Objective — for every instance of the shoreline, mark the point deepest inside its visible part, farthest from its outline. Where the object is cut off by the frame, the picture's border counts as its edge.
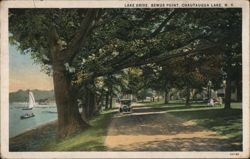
(37, 127)
(32, 139)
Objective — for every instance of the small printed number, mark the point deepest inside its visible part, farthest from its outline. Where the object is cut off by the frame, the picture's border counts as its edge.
(234, 154)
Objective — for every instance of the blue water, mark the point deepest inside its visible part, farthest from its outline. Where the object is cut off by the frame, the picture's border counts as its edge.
(42, 116)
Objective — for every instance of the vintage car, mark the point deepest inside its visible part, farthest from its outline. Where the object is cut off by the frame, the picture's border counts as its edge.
(125, 105)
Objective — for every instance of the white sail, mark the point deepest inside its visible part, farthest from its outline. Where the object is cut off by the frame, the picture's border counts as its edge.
(31, 100)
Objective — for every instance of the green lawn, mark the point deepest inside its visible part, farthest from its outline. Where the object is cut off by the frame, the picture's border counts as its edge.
(227, 123)
(91, 139)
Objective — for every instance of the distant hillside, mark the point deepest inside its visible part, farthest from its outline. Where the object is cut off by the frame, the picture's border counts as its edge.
(22, 95)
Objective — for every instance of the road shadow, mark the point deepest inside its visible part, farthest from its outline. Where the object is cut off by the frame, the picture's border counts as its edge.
(149, 122)
(188, 144)
(222, 121)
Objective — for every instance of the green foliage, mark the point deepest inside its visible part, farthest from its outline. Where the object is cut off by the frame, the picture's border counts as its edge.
(131, 35)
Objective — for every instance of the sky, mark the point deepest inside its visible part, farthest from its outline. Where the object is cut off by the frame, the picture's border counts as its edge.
(25, 74)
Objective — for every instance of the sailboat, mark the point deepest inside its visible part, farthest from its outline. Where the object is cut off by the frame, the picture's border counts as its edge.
(31, 102)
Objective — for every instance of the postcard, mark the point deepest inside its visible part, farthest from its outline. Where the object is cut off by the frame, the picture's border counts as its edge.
(125, 79)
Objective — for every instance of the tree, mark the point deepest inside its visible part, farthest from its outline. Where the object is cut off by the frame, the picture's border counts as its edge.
(40, 33)
(232, 52)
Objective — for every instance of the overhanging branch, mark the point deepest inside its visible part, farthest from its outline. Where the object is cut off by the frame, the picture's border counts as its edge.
(169, 17)
(162, 57)
(79, 37)
(172, 54)
(152, 54)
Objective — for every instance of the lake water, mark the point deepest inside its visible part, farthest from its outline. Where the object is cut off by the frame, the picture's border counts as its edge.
(43, 115)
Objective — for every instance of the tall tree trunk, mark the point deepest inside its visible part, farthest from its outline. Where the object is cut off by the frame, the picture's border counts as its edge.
(102, 101)
(239, 90)
(228, 93)
(166, 92)
(92, 104)
(69, 118)
(87, 102)
(107, 101)
(90, 101)
(110, 96)
(166, 96)
(188, 96)
(99, 102)
(194, 92)
(99, 98)
(208, 93)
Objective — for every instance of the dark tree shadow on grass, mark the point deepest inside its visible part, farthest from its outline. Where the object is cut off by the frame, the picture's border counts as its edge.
(224, 122)
(179, 107)
(88, 146)
(34, 139)
(227, 123)
(183, 144)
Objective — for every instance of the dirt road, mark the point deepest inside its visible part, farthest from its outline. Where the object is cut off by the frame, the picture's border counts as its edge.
(148, 129)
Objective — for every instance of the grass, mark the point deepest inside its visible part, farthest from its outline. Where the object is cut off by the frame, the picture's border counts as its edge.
(227, 123)
(91, 139)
